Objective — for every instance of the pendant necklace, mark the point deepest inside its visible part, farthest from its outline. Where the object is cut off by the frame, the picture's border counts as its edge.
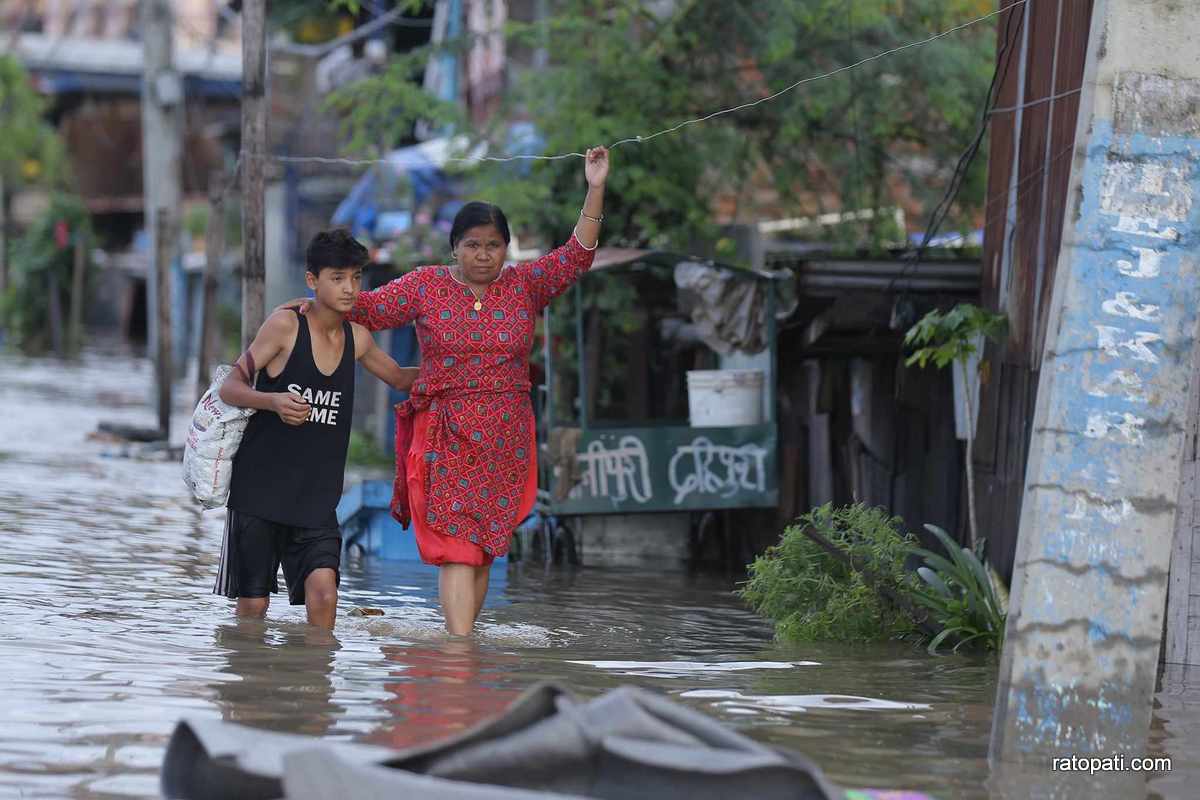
(478, 300)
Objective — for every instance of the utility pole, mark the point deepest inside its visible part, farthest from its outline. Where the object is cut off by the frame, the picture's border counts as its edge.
(162, 143)
(1077, 675)
(254, 152)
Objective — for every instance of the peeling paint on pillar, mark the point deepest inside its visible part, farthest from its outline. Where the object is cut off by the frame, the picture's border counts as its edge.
(1078, 671)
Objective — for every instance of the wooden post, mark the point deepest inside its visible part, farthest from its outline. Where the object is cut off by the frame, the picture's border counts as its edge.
(1182, 645)
(56, 313)
(165, 241)
(3, 234)
(214, 249)
(254, 151)
(78, 287)
(163, 95)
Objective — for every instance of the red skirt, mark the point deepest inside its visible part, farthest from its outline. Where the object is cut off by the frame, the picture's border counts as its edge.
(438, 548)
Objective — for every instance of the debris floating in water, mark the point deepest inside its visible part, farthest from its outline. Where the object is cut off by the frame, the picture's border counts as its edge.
(366, 612)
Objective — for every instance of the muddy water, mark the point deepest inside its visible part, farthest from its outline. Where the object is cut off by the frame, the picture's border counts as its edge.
(108, 635)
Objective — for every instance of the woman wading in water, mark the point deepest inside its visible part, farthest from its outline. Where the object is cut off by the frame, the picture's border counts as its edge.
(466, 446)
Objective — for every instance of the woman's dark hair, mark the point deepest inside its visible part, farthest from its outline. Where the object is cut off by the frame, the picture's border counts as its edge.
(335, 249)
(474, 214)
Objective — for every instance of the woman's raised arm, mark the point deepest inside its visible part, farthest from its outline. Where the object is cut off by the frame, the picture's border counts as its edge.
(595, 168)
(555, 272)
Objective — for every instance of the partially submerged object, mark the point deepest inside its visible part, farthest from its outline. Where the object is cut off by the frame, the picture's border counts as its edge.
(628, 743)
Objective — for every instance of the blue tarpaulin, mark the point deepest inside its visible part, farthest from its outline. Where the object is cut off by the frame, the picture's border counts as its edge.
(382, 203)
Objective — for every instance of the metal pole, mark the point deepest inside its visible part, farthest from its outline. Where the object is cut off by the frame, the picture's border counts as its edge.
(583, 376)
(773, 349)
(214, 250)
(548, 416)
(163, 257)
(254, 149)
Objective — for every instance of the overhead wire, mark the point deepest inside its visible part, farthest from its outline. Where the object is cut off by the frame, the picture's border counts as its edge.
(942, 210)
(642, 138)
(396, 17)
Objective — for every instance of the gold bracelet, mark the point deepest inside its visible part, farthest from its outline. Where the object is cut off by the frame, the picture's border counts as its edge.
(586, 215)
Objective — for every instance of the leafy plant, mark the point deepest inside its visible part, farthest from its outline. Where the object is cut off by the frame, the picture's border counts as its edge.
(41, 272)
(963, 595)
(195, 221)
(811, 595)
(951, 337)
(31, 150)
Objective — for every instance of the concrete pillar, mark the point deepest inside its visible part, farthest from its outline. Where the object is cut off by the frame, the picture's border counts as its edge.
(1078, 670)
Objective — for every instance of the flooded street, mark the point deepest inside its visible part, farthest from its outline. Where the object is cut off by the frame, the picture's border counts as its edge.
(109, 634)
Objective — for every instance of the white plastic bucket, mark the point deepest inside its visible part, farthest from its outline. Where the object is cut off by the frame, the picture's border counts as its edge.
(722, 398)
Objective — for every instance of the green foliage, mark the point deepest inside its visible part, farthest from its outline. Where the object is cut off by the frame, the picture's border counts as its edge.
(195, 220)
(624, 68)
(946, 337)
(812, 596)
(365, 452)
(371, 133)
(37, 264)
(31, 151)
(962, 594)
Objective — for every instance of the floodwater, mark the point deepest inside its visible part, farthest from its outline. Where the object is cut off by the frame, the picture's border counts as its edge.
(109, 635)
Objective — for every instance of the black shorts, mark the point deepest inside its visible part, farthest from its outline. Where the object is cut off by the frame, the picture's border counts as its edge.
(255, 548)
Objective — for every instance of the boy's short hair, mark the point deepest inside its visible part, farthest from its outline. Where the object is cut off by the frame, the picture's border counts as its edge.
(334, 249)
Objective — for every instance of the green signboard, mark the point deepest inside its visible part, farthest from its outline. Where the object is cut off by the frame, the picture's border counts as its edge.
(629, 470)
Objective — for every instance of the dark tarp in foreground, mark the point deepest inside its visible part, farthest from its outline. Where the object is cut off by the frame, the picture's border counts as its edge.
(629, 743)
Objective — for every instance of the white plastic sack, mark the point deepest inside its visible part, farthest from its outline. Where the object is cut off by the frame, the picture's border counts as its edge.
(212, 440)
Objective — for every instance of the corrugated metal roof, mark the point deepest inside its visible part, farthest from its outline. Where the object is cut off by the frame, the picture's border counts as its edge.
(117, 57)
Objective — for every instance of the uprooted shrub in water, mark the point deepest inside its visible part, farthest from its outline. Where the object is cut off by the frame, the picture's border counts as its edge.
(812, 595)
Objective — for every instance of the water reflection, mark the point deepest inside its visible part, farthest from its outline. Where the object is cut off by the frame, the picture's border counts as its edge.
(276, 676)
(436, 691)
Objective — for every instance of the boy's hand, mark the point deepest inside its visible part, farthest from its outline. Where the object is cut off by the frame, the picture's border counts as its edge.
(408, 376)
(290, 408)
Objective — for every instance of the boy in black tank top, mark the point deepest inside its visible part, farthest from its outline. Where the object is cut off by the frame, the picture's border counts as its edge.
(287, 474)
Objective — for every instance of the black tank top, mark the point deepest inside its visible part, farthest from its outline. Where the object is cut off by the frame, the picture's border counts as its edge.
(293, 474)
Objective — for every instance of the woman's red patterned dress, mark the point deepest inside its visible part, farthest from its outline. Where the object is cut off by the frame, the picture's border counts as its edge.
(471, 398)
